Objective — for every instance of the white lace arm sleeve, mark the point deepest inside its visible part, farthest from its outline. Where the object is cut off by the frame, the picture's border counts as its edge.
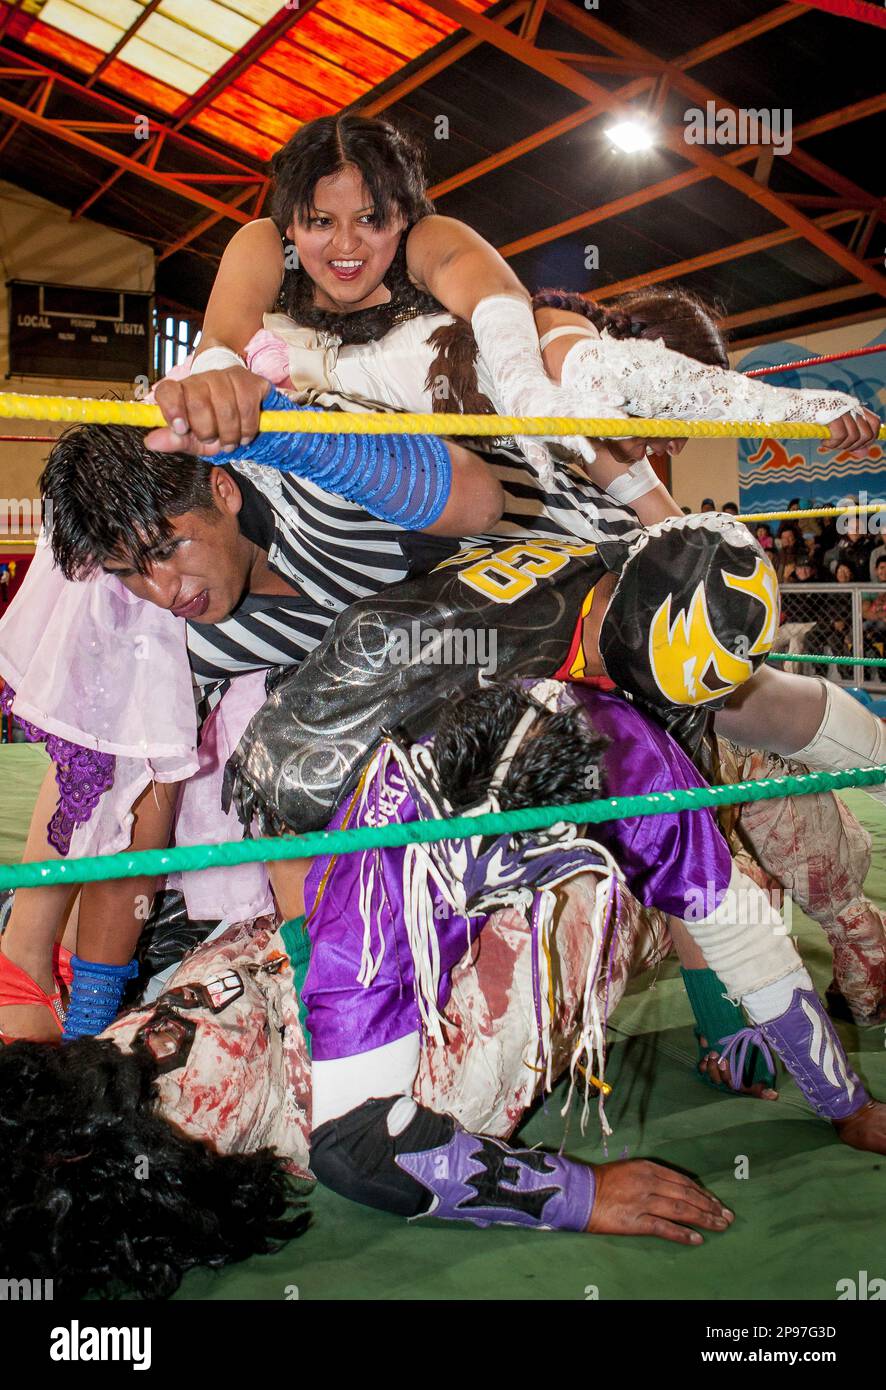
(657, 382)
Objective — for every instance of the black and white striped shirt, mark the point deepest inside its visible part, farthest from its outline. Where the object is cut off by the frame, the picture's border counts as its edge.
(334, 552)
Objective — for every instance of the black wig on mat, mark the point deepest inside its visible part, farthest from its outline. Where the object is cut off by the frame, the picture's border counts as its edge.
(101, 1194)
(558, 762)
(91, 471)
(392, 166)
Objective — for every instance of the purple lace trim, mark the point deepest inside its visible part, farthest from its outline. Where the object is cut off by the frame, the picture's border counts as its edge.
(82, 774)
(734, 1050)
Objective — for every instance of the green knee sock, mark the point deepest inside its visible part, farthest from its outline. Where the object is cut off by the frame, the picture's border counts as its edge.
(298, 949)
(717, 1018)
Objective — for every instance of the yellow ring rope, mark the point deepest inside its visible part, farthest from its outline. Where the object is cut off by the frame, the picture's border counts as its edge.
(77, 410)
(848, 510)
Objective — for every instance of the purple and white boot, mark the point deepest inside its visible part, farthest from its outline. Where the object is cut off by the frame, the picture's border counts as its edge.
(804, 1038)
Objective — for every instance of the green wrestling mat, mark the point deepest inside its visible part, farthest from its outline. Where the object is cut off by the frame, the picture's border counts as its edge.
(22, 766)
(809, 1212)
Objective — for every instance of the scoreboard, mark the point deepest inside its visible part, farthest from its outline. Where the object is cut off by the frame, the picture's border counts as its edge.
(76, 331)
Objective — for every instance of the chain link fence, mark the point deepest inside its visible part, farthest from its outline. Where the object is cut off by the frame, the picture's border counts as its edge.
(836, 620)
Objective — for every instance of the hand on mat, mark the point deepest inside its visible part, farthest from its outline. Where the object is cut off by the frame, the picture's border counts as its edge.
(638, 1198)
(208, 413)
(719, 1074)
(866, 1129)
(852, 432)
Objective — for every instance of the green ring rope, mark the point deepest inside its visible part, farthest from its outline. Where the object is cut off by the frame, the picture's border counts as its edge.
(829, 660)
(188, 858)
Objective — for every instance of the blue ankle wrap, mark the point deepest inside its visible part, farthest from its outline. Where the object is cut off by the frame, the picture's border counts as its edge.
(96, 992)
(403, 478)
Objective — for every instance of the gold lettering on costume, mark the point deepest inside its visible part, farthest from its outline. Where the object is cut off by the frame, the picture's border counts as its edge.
(506, 574)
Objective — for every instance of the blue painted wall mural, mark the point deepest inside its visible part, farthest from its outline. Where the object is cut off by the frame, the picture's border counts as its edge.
(772, 472)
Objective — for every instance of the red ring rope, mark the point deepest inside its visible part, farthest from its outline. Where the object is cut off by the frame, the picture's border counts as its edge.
(850, 9)
(817, 361)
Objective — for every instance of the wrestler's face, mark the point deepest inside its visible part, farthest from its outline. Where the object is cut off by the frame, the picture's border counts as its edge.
(341, 249)
(202, 572)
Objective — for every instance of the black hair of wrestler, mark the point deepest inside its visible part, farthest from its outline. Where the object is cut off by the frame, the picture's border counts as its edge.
(684, 321)
(559, 762)
(76, 1124)
(90, 471)
(391, 163)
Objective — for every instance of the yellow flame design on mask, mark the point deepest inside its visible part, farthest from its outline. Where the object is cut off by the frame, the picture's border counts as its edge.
(762, 585)
(683, 651)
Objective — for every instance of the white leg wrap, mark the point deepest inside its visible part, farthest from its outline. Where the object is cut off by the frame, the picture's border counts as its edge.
(774, 1000)
(343, 1083)
(744, 940)
(848, 736)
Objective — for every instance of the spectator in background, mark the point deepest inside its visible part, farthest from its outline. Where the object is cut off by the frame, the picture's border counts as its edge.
(707, 505)
(806, 570)
(833, 633)
(794, 504)
(763, 532)
(873, 612)
(844, 573)
(730, 507)
(877, 554)
(812, 526)
(786, 552)
(828, 524)
(854, 548)
(813, 551)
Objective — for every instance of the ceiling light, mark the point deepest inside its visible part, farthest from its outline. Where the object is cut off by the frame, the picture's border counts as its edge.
(631, 136)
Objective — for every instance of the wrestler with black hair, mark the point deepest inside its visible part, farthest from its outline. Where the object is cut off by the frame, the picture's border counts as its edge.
(379, 297)
(375, 1114)
(164, 1144)
(241, 587)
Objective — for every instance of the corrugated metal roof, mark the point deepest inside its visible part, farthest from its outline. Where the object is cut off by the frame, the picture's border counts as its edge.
(249, 71)
(334, 53)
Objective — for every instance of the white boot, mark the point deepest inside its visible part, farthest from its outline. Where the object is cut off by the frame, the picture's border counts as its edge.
(848, 736)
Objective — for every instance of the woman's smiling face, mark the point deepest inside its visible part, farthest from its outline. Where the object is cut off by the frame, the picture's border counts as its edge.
(341, 248)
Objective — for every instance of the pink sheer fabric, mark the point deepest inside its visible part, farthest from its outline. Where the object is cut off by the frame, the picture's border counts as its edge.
(267, 355)
(242, 891)
(87, 661)
(92, 664)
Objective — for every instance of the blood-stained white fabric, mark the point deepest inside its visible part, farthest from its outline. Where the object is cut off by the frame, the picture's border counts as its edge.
(245, 1078)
